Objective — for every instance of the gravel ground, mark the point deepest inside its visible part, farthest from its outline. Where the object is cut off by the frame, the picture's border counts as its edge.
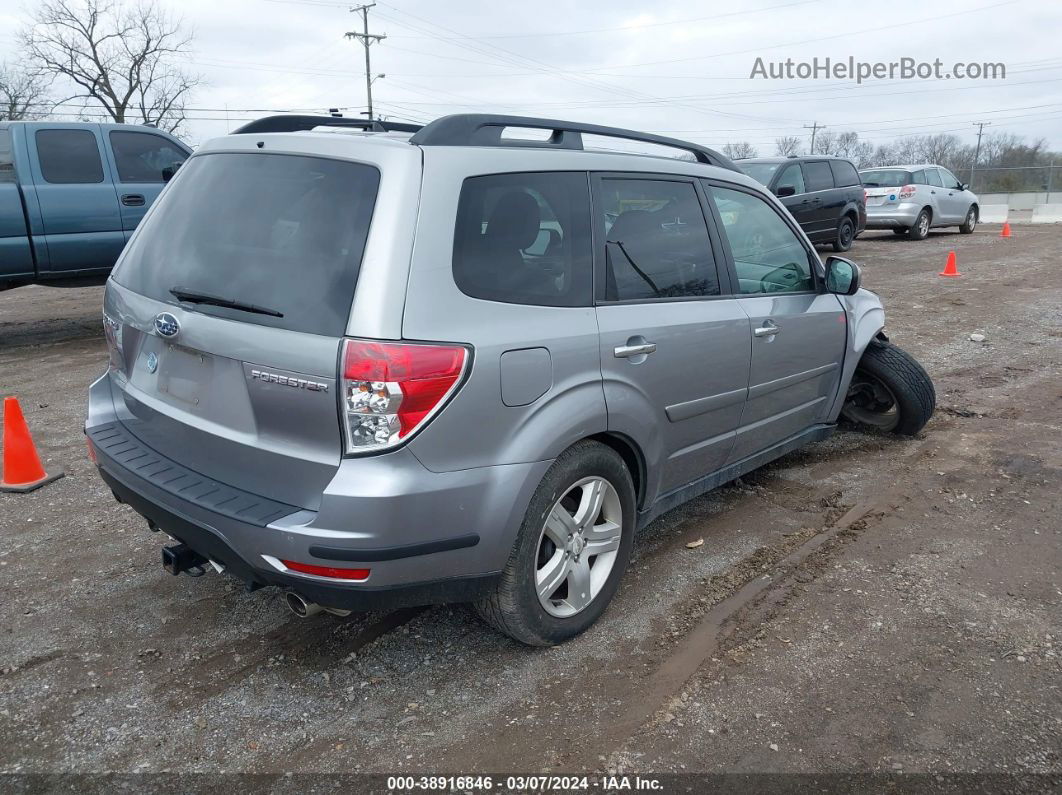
(867, 604)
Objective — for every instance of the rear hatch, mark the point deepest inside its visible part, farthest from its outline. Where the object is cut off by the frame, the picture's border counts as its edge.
(226, 321)
(883, 187)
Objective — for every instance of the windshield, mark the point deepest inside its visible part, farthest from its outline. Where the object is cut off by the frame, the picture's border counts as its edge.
(761, 172)
(885, 178)
(262, 230)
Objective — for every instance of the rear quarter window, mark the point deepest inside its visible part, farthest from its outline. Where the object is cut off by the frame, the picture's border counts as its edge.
(844, 173)
(282, 232)
(525, 239)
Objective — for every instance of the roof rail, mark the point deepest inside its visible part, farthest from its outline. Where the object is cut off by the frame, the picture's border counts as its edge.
(291, 122)
(485, 129)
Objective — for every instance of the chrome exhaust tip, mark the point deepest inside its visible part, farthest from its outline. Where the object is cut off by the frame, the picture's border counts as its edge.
(300, 607)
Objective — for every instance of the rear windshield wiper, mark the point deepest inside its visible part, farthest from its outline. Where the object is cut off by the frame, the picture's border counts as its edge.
(194, 297)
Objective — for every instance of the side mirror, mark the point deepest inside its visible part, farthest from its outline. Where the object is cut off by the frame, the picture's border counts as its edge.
(169, 171)
(963, 186)
(785, 190)
(843, 276)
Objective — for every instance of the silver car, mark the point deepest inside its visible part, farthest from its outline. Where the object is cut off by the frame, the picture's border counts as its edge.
(380, 368)
(910, 200)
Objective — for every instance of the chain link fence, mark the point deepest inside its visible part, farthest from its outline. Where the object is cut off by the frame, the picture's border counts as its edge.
(1014, 179)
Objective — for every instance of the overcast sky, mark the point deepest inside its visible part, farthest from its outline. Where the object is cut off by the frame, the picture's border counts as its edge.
(676, 67)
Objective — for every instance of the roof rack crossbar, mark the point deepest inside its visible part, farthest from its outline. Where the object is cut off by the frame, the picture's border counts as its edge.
(485, 129)
(291, 122)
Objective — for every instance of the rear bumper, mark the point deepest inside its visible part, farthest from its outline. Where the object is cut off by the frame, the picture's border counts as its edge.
(427, 537)
(897, 216)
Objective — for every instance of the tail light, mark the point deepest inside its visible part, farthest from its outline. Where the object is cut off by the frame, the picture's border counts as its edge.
(392, 389)
(907, 191)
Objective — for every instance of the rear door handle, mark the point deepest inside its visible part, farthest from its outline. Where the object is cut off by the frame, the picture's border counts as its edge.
(768, 329)
(133, 200)
(627, 351)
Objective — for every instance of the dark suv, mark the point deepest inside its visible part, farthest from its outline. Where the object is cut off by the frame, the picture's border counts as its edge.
(824, 194)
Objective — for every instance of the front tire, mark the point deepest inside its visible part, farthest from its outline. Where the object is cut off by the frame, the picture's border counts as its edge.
(970, 223)
(571, 551)
(890, 391)
(845, 235)
(920, 228)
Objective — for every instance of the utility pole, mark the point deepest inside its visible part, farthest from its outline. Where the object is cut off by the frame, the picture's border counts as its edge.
(980, 125)
(814, 127)
(367, 39)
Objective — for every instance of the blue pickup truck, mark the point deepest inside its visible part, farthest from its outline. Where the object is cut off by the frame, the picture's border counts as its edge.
(71, 195)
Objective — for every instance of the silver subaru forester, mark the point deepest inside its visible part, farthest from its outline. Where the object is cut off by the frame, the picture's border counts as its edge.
(466, 362)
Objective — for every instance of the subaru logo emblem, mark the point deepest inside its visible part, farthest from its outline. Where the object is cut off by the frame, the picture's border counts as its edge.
(166, 325)
(152, 362)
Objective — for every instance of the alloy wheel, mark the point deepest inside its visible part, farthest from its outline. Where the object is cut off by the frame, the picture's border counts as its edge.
(577, 547)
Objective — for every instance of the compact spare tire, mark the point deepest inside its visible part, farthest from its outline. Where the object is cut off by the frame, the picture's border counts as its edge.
(845, 234)
(571, 551)
(890, 391)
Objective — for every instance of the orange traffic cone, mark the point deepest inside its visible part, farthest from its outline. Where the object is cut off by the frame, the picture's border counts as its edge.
(1006, 230)
(950, 268)
(22, 465)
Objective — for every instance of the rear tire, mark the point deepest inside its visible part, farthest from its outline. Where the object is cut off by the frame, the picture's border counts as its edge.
(920, 228)
(845, 234)
(970, 223)
(890, 391)
(537, 599)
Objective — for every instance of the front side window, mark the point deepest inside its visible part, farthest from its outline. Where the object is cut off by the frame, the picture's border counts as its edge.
(949, 179)
(656, 241)
(793, 177)
(69, 157)
(141, 157)
(818, 175)
(525, 239)
(769, 257)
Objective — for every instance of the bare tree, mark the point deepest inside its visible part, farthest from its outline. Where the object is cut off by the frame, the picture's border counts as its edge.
(787, 145)
(23, 95)
(739, 150)
(123, 57)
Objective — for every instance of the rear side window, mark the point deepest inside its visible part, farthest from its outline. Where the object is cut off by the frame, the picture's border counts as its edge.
(141, 157)
(919, 178)
(844, 173)
(818, 176)
(525, 239)
(7, 158)
(657, 243)
(69, 157)
(934, 177)
(281, 232)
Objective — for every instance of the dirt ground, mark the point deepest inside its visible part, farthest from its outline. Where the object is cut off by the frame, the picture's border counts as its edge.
(868, 604)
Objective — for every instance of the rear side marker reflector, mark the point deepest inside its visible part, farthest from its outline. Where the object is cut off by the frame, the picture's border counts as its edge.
(332, 572)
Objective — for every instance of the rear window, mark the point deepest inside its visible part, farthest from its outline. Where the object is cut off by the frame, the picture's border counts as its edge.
(281, 232)
(761, 172)
(525, 239)
(885, 178)
(844, 173)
